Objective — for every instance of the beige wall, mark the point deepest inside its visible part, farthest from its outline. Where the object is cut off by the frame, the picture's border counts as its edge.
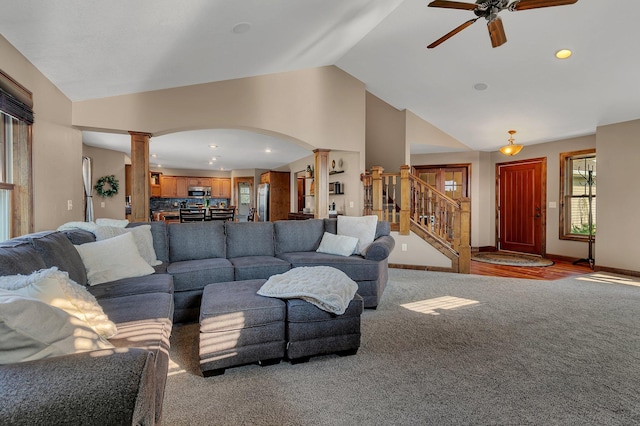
(57, 147)
(386, 135)
(107, 162)
(421, 132)
(618, 151)
(316, 108)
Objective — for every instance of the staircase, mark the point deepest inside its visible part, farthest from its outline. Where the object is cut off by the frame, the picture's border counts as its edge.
(411, 205)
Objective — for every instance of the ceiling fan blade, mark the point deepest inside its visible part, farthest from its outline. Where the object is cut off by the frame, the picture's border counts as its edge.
(451, 33)
(496, 31)
(535, 4)
(453, 5)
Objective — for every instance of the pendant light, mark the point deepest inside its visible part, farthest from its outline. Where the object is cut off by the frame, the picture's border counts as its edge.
(511, 149)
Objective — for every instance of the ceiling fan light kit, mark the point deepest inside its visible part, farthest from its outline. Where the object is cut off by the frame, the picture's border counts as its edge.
(511, 148)
(489, 9)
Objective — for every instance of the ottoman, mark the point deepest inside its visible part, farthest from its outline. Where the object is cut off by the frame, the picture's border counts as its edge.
(312, 331)
(238, 327)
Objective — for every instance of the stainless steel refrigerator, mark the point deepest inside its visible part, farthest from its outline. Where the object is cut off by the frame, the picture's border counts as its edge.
(263, 202)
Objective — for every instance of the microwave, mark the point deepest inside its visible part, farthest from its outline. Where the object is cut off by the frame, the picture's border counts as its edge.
(199, 191)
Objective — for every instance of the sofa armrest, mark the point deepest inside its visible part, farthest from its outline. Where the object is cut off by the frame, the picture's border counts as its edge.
(99, 387)
(380, 248)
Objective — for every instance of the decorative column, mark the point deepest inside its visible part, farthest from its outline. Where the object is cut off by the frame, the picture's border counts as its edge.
(140, 177)
(321, 178)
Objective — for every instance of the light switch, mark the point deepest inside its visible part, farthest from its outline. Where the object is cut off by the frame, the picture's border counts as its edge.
(102, 204)
(552, 204)
(351, 204)
(69, 204)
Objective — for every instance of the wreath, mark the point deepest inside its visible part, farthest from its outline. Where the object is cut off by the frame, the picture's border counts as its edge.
(110, 190)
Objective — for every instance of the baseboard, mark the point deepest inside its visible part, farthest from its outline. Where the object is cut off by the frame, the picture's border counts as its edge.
(628, 272)
(421, 267)
(482, 249)
(560, 257)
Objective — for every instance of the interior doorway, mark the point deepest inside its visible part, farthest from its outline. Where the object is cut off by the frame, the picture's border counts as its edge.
(521, 192)
(243, 193)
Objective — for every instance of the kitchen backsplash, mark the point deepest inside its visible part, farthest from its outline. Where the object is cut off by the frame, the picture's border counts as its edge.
(156, 204)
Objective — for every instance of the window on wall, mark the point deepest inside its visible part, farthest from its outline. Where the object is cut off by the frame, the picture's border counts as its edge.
(16, 188)
(578, 184)
(451, 180)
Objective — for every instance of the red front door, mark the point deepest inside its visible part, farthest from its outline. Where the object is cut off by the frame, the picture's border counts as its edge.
(522, 206)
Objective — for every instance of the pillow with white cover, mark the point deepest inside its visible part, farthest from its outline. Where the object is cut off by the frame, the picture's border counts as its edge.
(55, 288)
(361, 227)
(328, 288)
(342, 245)
(31, 330)
(113, 259)
(103, 221)
(141, 236)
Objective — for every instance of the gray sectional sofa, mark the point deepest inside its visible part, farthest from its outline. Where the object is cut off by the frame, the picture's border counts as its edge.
(127, 385)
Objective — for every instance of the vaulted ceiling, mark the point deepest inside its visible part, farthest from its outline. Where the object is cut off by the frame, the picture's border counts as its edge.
(98, 49)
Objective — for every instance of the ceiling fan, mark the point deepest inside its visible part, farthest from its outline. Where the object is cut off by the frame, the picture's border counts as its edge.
(489, 10)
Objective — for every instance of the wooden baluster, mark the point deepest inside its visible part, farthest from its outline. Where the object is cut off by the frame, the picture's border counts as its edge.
(405, 224)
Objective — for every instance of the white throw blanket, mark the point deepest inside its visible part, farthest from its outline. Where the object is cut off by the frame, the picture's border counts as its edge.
(328, 288)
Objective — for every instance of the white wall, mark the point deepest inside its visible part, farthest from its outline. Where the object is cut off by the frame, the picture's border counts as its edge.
(618, 232)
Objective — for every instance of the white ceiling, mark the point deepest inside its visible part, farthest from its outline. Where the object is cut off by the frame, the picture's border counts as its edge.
(97, 49)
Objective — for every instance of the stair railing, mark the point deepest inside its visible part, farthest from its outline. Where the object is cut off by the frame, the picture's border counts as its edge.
(410, 204)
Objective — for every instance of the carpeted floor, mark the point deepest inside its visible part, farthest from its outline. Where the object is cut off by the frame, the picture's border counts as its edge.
(444, 349)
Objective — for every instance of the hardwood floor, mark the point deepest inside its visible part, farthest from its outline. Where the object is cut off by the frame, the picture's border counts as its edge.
(560, 269)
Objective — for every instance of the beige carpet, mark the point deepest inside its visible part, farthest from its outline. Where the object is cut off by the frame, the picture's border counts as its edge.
(444, 349)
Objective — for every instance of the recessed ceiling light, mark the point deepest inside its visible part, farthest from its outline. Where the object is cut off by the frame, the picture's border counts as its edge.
(213, 146)
(214, 158)
(563, 53)
(480, 86)
(267, 150)
(154, 155)
(241, 28)
(159, 165)
(221, 168)
(210, 162)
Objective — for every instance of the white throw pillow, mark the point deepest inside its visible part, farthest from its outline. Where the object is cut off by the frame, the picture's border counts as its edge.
(113, 259)
(342, 245)
(141, 235)
(361, 227)
(121, 223)
(55, 288)
(31, 329)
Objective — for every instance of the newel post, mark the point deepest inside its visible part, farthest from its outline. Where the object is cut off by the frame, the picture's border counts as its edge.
(405, 212)
(464, 248)
(376, 172)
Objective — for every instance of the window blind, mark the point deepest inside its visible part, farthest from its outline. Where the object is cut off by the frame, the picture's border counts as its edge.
(15, 108)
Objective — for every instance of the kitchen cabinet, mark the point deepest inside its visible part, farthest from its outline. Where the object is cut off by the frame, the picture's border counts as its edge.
(181, 187)
(154, 184)
(168, 188)
(221, 188)
(199, 181)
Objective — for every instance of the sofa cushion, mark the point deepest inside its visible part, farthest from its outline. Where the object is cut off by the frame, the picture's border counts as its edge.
(156, 283)
(19, 258)
(198, 240)
(54, 288)
(195, 274)
(298, 235)
(357, 268)
(31, 330)
(57, 250)
(79, 236)
(113, 259)
(249, 239)
(138, 307)
(254, 267)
